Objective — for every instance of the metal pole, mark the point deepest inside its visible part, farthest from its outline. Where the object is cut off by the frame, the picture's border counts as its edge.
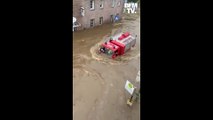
(130, 100)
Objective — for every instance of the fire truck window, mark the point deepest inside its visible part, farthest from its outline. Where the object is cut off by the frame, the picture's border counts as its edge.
(109, 52)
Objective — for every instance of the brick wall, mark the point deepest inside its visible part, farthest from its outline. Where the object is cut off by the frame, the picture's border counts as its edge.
(98, 12)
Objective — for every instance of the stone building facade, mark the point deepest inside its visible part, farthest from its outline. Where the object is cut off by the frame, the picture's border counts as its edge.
(91, 13)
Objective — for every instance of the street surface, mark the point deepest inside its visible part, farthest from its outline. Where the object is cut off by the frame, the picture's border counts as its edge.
(99, 92)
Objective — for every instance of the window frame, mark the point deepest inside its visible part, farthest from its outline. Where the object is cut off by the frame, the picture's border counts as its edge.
(112, 18)
(102, 3)
(101, 20)
(119, 3)
(93, 23)
(93, 4)
(113, 3)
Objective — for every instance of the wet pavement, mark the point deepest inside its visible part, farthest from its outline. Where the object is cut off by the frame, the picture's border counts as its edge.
(99, 92)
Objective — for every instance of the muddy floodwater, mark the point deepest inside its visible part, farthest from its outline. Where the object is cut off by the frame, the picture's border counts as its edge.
(99, 92)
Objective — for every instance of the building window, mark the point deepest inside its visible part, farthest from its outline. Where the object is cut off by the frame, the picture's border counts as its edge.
(92, 22)
(101, 20)
(113, 3)
(111, 16)
(92, 4)
(101, 4)
(119, 3)
(82, 11)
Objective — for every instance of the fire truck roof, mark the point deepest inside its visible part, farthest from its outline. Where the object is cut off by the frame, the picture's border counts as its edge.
(123, 38)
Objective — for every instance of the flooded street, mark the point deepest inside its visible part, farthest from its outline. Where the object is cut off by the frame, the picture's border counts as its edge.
(99, 92)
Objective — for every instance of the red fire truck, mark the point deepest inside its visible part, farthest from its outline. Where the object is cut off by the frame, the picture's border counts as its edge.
(118, 45)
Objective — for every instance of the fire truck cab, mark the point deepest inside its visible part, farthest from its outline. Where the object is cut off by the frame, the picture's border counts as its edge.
(118, 45)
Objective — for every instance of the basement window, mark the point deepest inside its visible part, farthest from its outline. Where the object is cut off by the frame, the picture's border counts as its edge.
(111, 18)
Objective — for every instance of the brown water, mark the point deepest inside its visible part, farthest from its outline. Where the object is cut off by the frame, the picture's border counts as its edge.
(99, 92)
